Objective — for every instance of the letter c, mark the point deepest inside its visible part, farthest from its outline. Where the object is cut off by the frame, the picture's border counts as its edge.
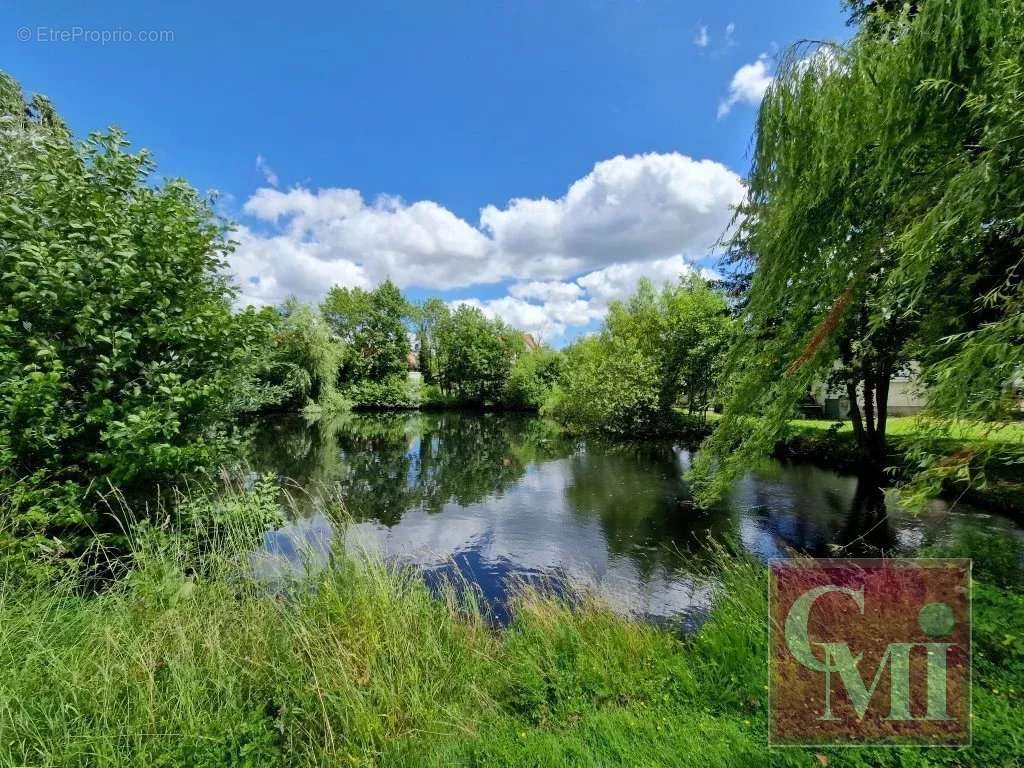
(799, 617)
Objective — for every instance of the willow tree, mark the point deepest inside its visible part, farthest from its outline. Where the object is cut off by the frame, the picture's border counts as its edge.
(883, 222)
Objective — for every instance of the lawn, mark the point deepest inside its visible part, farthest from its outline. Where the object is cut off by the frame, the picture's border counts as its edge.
(1009, 433)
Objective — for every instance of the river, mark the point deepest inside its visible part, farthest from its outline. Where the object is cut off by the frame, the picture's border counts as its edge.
(500, 500)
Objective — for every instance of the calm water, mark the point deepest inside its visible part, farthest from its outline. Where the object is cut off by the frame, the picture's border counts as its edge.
(503, 499)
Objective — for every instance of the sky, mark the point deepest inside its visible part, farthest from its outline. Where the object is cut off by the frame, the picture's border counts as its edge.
(535, 159)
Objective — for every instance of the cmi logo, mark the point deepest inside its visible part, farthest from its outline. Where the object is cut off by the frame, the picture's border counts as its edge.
(870, 652)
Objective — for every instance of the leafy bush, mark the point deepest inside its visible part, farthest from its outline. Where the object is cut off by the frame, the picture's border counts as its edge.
(607, 385)
(372, 326)
(473, 355)
(997, 557)
(119, 354)
(301, 362)
(392, 392)
(657, 351)
(431, 396)
(531, 379)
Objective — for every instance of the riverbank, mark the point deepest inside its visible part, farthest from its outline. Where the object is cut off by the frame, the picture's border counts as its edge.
(186, 661)
(830, 445)
(833, 445)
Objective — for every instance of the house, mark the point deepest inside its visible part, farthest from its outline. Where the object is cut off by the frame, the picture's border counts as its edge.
(906, 397)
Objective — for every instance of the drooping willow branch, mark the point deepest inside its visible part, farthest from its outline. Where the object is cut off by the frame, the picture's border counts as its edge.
(823, 331)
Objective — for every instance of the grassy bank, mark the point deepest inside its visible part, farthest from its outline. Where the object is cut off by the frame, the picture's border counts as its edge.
(900, 429)
(999, 449)
(186, 661)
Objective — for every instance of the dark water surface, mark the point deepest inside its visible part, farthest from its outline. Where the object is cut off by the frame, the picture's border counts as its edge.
(502, 499)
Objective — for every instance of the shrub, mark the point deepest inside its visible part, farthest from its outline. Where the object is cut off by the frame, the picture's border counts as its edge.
(372, 326)
(300, 365)
(392, 392)
(119, 353)
(531, 379)
(473, 355)
(607, 385)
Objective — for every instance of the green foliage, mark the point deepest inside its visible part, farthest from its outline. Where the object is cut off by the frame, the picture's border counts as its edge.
(119, 354)
(608, 384)
(657, 350)
(427, 317)
(188, 661)
(372, 325)
(883, 221)
(997, 558)
(392, 392)
(468, 359)
(878, 13)
(473, 355)
(301, 361)
(531, 379)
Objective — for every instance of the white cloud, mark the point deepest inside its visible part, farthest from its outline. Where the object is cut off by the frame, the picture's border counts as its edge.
(546, 322)
(702, 39)
(420, 244)
(630, 216)
(730, 32)
(268, 173)
(619, 281)
(627, 209)
(748, 85)
(546, 291)
(269, 269)
(558, 305)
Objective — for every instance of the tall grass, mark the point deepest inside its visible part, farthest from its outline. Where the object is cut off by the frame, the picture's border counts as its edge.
(187, 660)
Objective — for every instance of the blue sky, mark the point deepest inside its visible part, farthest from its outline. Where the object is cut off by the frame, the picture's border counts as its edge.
(536, 158)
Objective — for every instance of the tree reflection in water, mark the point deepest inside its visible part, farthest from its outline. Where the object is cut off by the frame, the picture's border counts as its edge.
(500, 498)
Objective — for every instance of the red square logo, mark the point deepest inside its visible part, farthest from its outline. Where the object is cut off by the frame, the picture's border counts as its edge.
(870, 652)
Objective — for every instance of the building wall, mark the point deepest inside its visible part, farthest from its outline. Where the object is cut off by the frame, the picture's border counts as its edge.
(906, 397)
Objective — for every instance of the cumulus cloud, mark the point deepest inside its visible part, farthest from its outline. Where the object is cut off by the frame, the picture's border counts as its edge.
(419, 244)
(748, 85)
(270, 269)
(627, 209)
(619, 281)
(546, 322)
(702, 38)
(547, 308)
(629, 217)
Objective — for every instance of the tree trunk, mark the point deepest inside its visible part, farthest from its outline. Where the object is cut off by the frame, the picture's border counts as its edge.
(869, 426)
(882, 403)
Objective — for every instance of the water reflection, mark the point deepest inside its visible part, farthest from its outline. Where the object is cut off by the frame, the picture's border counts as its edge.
(502, 499)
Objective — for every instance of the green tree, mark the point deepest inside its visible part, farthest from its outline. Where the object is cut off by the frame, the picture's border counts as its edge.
(428, 316)
(301, 360)
(119, 354)
(883, 221)
(694, 336)
(532, 377)
(372, 325)
(474, 355)
(608, 384)
(658, 349)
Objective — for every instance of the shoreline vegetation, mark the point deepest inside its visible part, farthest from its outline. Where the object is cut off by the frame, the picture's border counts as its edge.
(882, 227)
(831, 444)
(186, 659)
